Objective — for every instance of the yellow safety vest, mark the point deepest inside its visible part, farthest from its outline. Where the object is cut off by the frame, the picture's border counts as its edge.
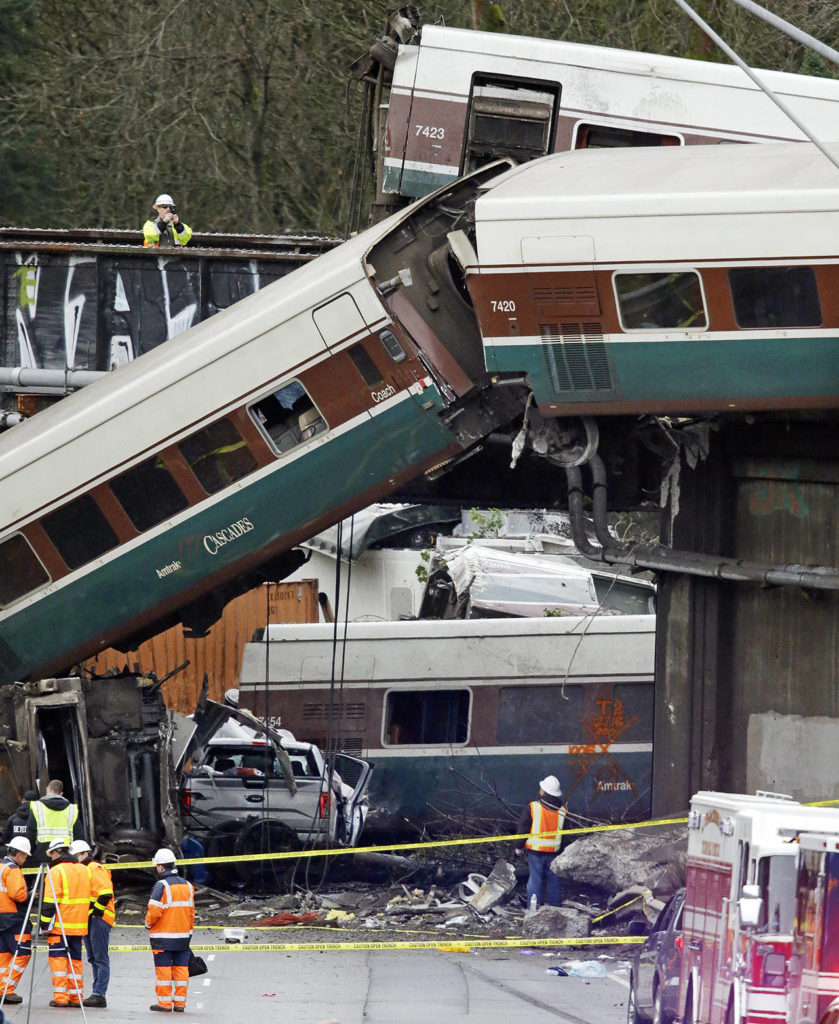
(54, 824)
(546, 828)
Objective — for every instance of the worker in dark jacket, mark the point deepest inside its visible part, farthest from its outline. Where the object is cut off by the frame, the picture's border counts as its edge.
(167, 228)
(18, 823)
(15, 944)
(52, 817)
(540, 826)
(170, 918)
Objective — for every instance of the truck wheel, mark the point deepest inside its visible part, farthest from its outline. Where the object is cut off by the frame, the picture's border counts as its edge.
(660, 1016)
(261, 837)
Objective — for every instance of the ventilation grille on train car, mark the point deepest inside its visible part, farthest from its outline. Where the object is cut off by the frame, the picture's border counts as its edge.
(346, 744)
(350, 712)
(564, 295)
(9, 661)
(576, 358)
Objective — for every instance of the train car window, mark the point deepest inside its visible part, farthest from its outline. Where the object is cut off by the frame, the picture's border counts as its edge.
(218, 456)
(604, 136)
(21, 570)
(624, 596)
(423, 717)
(660, 300)
(392, 345)
(148, 493)
(370, 373)
(79, 531)
(509, 117)
(542, 714)
(288, 417)
(775, 297)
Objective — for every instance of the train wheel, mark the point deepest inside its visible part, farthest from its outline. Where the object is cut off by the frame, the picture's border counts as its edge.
(571, 442)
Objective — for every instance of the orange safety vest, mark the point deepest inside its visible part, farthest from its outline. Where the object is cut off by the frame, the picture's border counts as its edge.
(101, 885)
(12, 887)
(71, 883)
(171, 910)
(545, 829)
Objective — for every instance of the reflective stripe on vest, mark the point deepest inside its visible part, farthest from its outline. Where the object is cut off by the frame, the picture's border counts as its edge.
(175, 921)
(101, 885)
(8, 904)
(546, 828)
(72, 895)
(54, 824)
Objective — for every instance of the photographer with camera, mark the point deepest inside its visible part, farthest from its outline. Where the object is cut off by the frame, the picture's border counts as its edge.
(167, 229)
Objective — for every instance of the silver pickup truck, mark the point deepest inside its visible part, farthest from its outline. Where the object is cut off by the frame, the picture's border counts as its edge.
(249, 789)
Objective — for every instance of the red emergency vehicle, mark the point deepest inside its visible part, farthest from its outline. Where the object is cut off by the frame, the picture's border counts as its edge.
(737, 927)
(814, 963)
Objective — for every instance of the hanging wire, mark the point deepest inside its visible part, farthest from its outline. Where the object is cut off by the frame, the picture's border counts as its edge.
(726, 49)
(822, 49)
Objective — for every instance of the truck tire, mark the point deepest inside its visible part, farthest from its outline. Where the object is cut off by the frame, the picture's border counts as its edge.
(260, 837)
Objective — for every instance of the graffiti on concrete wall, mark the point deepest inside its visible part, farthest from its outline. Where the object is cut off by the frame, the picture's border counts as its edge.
(93, 311)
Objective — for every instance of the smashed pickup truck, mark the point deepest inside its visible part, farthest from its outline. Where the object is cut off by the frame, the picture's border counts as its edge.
(248, 789)
(120, 754)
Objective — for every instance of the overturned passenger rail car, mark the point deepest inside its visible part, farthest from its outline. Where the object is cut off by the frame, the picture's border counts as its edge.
(179, 480)
(462, 718)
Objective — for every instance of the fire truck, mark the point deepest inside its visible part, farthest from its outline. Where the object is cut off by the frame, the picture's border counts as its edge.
(814, 963)
(740, 905)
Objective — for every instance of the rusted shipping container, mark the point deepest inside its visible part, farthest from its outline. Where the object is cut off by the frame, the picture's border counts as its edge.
(220, 653)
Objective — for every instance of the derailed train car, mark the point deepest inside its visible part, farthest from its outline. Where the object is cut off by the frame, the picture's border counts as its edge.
(158, 493)
(112, 744)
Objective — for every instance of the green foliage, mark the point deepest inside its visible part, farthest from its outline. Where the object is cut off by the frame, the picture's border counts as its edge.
(488, 522)
(422, 570)
(244, 109)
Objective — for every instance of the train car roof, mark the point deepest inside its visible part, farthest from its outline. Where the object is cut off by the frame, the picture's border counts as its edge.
(603, 58)
(664, 182)
(173, 362)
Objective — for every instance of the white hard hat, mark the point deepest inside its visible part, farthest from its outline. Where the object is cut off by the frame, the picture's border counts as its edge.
(79, 846)
(551, 786)
(163, 857)
(58, 844)
(164, 199)
(21, 844)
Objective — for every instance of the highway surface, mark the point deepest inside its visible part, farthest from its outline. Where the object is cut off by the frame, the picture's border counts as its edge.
(493, 986)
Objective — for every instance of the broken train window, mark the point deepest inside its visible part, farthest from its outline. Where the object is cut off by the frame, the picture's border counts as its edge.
(424, 717)
(288, 417)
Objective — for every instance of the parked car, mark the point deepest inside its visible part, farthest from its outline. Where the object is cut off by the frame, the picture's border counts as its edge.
(249, 789)
(654, 979)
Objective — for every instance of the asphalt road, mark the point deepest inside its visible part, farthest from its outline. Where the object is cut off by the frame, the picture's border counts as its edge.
(351, 986)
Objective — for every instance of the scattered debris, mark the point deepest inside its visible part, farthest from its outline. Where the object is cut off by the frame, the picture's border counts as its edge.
(499, 884)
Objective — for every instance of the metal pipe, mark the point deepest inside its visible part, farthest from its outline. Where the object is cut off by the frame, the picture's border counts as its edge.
(662, 559)
(30, 377)
(10, 419)
(791, 30)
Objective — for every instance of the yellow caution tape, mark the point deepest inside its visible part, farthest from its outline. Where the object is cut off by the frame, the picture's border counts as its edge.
(341, 851)
(283, 947)
(643, 896)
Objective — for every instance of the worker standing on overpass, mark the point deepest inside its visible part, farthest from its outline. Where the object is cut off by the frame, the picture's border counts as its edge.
(167, 229)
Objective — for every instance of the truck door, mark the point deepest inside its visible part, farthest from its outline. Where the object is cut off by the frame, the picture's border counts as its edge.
(354, 774)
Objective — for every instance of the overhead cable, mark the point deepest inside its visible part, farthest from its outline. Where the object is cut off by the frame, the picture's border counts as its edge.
(791, 30)
(726, 49)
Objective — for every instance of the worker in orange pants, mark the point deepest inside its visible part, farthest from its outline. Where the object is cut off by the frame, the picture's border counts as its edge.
(64, 913)
(170, 918)
(15, 939)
